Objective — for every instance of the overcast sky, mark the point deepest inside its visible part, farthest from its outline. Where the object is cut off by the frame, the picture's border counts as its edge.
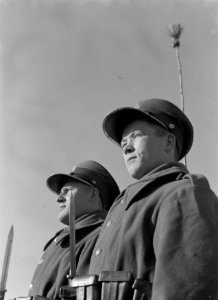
(63, 66)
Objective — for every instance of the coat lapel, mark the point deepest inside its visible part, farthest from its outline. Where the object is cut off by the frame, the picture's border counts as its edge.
(151, 182)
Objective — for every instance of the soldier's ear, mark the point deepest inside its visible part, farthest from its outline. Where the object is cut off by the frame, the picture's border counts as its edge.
(171, 143)
(95, 196)
(94, 193)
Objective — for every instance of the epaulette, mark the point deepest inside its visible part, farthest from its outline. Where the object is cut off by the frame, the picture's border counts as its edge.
(197, 179)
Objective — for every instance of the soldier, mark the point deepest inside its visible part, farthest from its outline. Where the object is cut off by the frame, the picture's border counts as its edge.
(163, 228)
(93, 189)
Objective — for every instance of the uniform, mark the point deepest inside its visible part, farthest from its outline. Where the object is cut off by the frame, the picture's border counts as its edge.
(54, 265)
(164, 229)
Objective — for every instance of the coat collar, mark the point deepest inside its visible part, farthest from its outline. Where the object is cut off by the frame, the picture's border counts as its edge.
(83, 225)
(157, 177)
(90, 219)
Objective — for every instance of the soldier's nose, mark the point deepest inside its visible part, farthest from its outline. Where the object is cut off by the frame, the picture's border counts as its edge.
(60, 199)
(128, 149)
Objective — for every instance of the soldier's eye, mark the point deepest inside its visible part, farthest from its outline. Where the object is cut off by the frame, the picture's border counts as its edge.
(123, 145)
(66, 189)
(137, 134)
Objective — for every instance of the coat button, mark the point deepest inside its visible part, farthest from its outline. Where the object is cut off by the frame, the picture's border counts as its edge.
(108, 223)
(171, 126)
(98, 251)
(30, 286)
(122, 201)
(40, 262)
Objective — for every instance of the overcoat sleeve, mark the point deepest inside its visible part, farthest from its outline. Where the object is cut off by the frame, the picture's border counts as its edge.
(186, 244)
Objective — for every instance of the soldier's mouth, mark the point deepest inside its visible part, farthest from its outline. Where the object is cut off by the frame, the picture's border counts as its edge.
(61, 207)
(131, 158)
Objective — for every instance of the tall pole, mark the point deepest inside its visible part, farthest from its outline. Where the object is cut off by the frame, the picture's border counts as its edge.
(181, 89)
(175, 31)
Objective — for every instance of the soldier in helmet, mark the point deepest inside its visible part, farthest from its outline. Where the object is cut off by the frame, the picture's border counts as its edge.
(163, 228)
(93, 190)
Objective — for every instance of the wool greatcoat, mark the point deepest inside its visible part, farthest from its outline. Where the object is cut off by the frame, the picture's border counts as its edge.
(164, 229)
(54, 264)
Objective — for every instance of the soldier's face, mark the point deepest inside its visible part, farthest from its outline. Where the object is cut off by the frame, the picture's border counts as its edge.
(78, 192)
(143, 150)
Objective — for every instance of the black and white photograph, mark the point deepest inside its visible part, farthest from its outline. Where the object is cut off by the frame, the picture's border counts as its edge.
(109, 149)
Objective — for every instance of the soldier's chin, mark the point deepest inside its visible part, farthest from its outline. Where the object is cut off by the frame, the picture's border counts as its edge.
(135, 173)
(132, 171)
(63, 219)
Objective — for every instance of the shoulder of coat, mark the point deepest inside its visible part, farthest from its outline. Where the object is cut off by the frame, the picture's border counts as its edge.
(198, 180)
(52, 239)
